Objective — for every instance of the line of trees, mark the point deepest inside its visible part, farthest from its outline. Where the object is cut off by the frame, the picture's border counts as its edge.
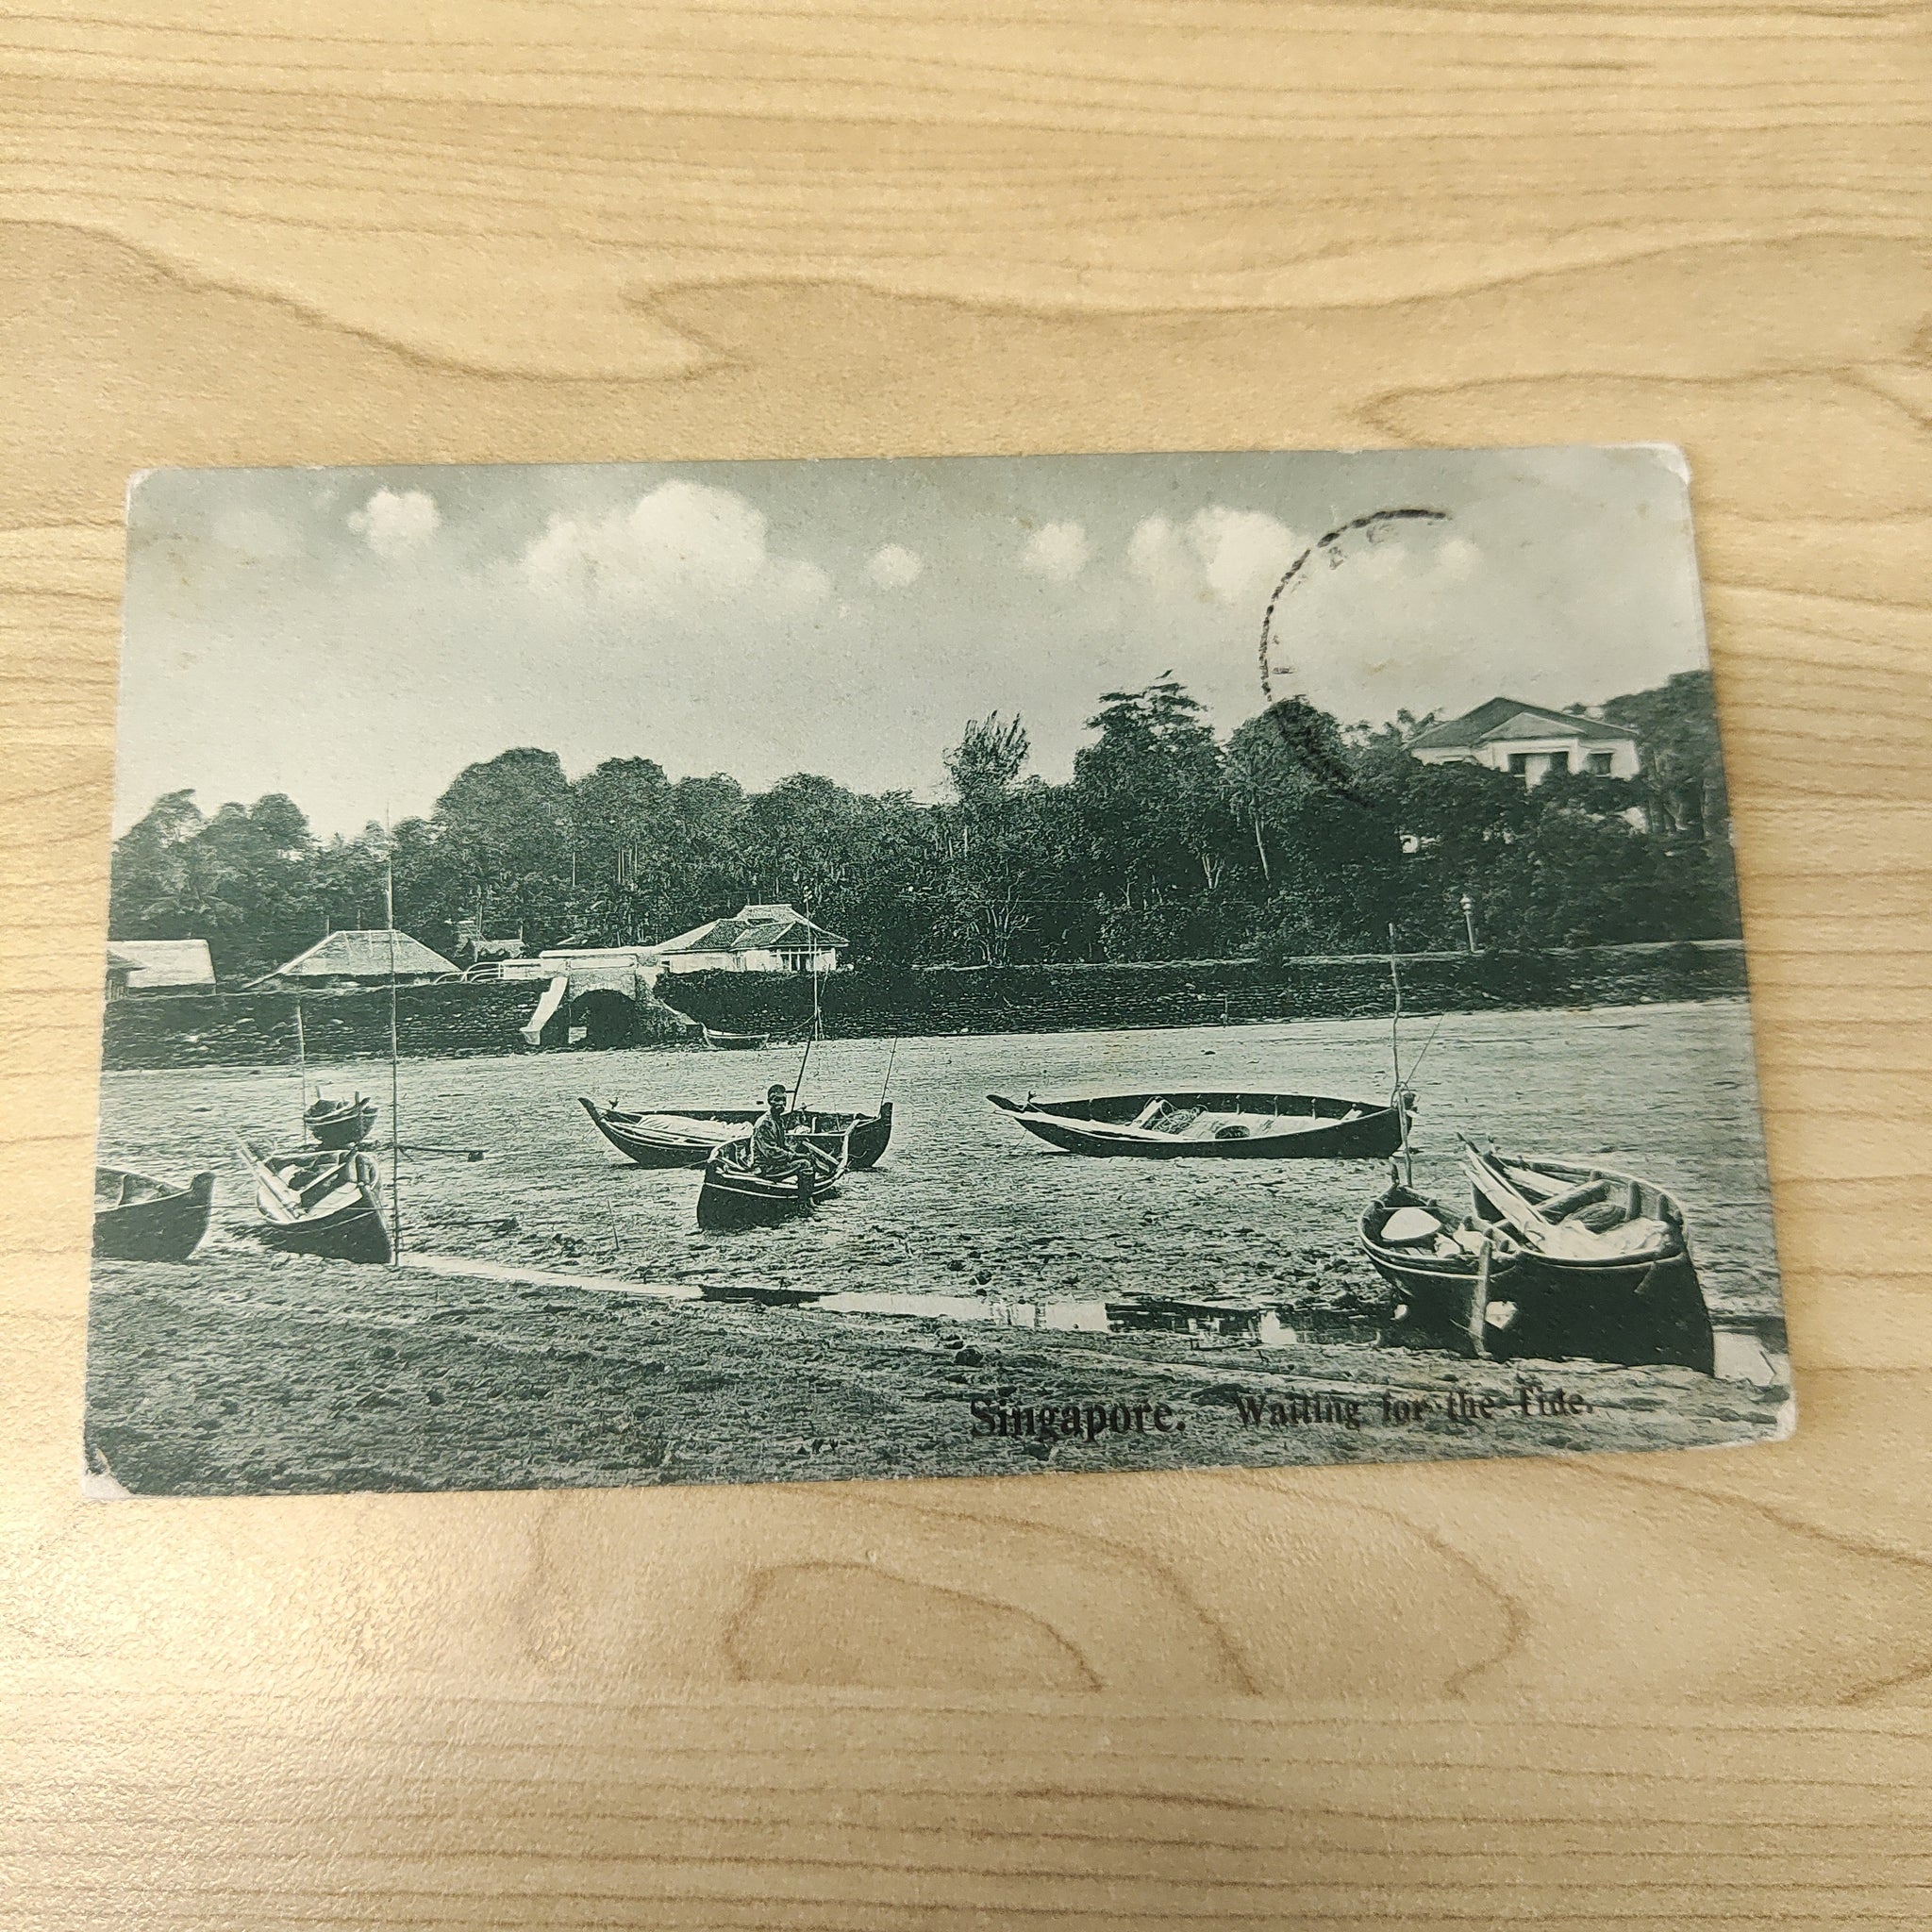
(1296, 836)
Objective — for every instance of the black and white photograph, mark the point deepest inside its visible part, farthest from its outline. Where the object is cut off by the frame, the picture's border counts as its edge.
(747, 972)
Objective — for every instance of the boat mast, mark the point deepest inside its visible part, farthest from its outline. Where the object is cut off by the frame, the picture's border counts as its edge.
(302, 1065)
(395, 1177)
(1396, 1096)
(811, 1033)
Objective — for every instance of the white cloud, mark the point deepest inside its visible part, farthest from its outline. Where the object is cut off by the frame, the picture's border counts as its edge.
(894, 567)
(1241, 551)
(395, 521)
(1157, 556)
(1058, 551)
(1230, 556)
(682, 542)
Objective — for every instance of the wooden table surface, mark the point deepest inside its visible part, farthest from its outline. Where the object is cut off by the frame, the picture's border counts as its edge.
(1652, 1690)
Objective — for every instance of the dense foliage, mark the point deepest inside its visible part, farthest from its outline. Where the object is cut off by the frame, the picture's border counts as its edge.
(1295, 837)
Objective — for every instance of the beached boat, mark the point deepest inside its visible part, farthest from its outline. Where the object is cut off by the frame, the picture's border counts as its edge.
(735, 1195)
(1559, 1258)
(1219, 1126)
(1605, 1254)
(320, 1201)
(1445, 1270)
(678, 1136)
(340, 1123)
(734, 1042)
(138, 1219)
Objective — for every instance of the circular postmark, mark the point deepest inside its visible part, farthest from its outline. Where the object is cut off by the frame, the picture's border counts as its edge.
(1291, 710)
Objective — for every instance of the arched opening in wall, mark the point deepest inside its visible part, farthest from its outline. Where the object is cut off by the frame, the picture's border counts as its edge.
(602, 1018)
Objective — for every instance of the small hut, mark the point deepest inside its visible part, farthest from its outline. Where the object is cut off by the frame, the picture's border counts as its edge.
(138, 966)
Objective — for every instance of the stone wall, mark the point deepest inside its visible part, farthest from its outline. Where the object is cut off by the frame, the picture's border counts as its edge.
(877, 1001)
(439, 1022)
(259, 1028)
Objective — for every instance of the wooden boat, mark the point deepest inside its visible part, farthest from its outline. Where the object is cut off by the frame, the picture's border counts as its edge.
(340, 1123)
(1215, 1125)
(1446, 1271)
(733, 1042)
(1608, 1269)
(677, 1137)
(320, 1201)
(1559, 1258)
(688, 1136)
(735, 1195)
(137, 1219)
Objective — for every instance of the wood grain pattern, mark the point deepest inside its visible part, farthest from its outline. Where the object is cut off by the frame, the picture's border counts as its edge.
(1644, 1690)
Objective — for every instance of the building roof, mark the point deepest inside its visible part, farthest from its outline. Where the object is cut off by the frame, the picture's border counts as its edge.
(364, 956)
(152, 964)
(1508, 718)
(754, 929)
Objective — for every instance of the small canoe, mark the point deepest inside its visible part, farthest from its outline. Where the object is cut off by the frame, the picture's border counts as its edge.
(340, 1123)
(138, 1219)
(736, 1195)
(734, 1042)
(320, 1201)
(1216, 1126)
(674, 1136)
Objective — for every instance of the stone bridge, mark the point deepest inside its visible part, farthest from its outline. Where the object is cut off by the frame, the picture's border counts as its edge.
(597, 995)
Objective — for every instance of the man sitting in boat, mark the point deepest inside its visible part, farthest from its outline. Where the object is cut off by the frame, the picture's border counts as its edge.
(772, 1150)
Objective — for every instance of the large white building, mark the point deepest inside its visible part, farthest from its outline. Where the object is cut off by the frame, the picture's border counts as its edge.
(757, 938)
(1530, 740)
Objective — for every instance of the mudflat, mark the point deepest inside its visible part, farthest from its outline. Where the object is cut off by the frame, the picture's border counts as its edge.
(973, 1267)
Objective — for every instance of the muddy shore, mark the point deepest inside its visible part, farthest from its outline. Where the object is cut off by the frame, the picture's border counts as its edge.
(437, 1382)
(247, 1371)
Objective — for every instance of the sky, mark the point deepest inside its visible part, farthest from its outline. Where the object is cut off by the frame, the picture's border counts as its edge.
(354, 637)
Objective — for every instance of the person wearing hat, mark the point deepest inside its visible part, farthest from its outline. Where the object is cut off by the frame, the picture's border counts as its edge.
(772, 1150)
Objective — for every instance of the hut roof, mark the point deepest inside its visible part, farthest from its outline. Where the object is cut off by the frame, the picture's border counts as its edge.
(155, 964)
(365, 956)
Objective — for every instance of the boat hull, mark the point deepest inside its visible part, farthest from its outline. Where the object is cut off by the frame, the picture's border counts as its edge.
(360, 1234)
(639, 1139)
(735, 1042)
(165, 1225)
(867, 1135)
(1443, 1298)
(344, 1124)
(1307, 1126)
(1646, 1307)
(315, 1202)
(734, 1196)
(1637, 1310)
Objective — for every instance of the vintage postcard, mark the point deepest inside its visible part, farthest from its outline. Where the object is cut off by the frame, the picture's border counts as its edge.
(741, 972)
